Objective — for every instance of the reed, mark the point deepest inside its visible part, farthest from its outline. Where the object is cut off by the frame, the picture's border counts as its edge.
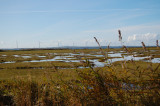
(120, 36)
(157, 44)
(103, 53)
(120, 39)
(108, 46)
(143, 46)
(125, 48)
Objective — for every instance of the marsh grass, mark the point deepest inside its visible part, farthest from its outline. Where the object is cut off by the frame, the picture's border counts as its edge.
(127, 82)
(119, 83)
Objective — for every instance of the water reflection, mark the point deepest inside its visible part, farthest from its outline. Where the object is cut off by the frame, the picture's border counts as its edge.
(76, 57)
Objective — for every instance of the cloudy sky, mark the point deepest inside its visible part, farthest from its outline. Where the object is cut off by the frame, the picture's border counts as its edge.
(75, 22)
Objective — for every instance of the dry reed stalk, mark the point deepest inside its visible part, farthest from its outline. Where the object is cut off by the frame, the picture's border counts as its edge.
(120, 36)
(100, 47)
(143, 45)
(108, 45)
(120, 39)
(125, 48)
(157, 44)
(98, 43)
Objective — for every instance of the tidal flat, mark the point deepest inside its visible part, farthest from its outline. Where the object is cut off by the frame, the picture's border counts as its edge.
(67, 76)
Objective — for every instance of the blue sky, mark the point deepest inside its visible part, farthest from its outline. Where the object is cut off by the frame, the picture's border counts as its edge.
(68, 22)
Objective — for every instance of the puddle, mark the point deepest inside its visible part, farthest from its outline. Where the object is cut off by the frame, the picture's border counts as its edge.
(155, 60)
(41, 56)
(115, 55)
(22, 56)
(98, 64)
(26, 57)
(131, 57)
(4, 55)
(111, 52)
(71, 57)
(9, 62)
(98, 55)
(126, 86)
(65, 59)
(16, 55)
(33, 61)
(122, 51)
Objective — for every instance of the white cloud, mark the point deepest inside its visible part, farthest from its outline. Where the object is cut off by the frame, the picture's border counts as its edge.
(149, 38)
(130, 38)
(1, 42)
(139, 32)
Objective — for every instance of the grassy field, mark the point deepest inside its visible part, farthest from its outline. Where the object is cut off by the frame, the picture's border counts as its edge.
(34, 77)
